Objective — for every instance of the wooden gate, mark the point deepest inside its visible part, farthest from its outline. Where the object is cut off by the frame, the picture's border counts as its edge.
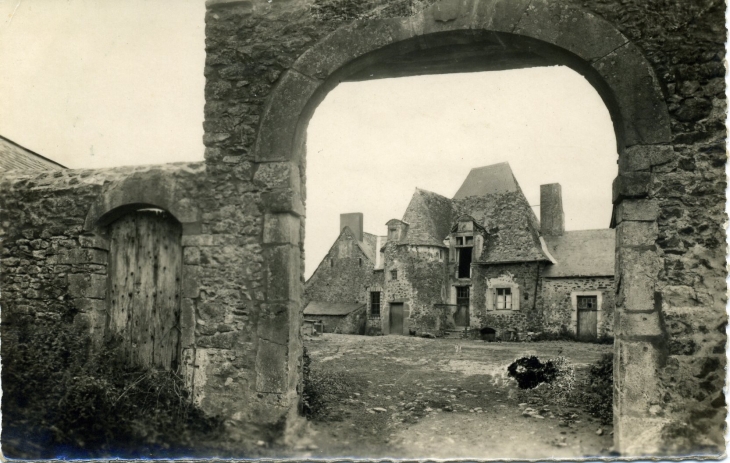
(396, 318)
(145, 269)
(587, 318)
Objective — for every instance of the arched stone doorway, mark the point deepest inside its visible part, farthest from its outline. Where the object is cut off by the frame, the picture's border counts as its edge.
(474, 35)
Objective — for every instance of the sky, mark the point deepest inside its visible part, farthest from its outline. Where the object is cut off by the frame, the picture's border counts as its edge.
(97, 84)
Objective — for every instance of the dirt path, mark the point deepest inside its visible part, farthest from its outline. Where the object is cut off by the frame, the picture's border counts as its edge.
(410, 397)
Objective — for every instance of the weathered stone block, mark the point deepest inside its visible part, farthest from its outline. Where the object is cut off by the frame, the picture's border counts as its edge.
(637, 271)
(197, 240)
(350, 42)
(94, 241)
(191, 281)
(283, 200)
(636, 234)
(283, 280)
(644, 157)
(275, 140)
(273, 175)
(187, 323)
(273, 323)
(638, 436)
(90, 305)
(498, 15)
(631, 185)
(271, 367)
(82, 256)
(87, 285)
(191, 255)
(632, 79)
(637, 210)
(638, 324)
(281, 229)
(574, 29)
(638, 366)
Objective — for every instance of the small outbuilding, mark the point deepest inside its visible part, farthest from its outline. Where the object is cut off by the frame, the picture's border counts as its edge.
(337, 317)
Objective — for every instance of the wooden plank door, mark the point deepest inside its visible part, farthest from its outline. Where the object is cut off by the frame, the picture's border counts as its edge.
(587, 318)
(396, 318)
(145, 268)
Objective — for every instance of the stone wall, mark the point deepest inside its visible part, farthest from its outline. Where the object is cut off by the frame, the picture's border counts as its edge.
(421, 276)
(658, 65)
(344, 273)
(527, 318)
(557, 310)
(235, 347)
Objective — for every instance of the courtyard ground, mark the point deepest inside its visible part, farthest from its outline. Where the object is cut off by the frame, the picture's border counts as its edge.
(408, 397)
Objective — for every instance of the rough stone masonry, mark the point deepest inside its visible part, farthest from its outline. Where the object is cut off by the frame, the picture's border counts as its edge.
(657, 64)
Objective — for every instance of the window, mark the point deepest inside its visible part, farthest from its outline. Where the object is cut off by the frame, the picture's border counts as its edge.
(459, 241)
(375, 304)
(465, 262)
(462, 295)
(359, 261)
(394, 274)
(469, 240)
(587, 302)
(504, 299)
(332, 262)
(392, 233)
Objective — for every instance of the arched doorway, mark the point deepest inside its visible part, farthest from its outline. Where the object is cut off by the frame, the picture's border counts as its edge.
(458, 36)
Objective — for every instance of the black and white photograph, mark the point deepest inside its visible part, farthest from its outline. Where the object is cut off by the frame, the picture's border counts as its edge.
(468, 230)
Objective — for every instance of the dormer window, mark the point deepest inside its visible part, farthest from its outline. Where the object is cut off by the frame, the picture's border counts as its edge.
(392, 233)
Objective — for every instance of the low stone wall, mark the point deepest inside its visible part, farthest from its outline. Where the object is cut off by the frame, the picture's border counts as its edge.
(558, 310)
(235, 344)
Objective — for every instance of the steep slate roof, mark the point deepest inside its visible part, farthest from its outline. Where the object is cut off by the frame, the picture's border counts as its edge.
(493, 197)
(582, 253)
(430, 216)
(15, 157)
(512, 231)
(368, 245)
(487, 180)
(331, 308)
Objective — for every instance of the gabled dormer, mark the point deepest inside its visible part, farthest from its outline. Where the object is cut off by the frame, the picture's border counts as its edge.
(397, 230)
(466, 241)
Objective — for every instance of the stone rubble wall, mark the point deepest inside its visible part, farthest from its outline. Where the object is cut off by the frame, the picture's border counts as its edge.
(662, 76)
(235, 353)
(557, 310)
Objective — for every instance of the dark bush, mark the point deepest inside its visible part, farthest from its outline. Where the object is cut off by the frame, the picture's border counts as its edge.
(598, 394)
(530, 372)
(61, 398)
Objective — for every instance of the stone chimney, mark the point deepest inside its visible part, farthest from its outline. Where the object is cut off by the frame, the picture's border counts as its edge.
(354, 221)
(552, 219)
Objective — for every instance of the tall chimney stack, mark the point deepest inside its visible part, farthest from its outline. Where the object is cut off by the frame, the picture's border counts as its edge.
(552, 219)
(354, 221)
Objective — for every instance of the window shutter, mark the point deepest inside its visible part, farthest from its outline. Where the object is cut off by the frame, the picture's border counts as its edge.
(478, 244)
(491, 298)
(515, 297)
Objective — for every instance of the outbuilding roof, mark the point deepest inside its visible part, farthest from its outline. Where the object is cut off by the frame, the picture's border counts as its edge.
(331, 308)
(16, 157)
(582, 253)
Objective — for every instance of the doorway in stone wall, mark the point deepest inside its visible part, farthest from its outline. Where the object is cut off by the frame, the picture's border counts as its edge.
(399, 148)
(145, 270)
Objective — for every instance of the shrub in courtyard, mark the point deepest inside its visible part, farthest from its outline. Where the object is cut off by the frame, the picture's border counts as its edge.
(63, 398)
(554, 380)
(597, 397)
(530, 372)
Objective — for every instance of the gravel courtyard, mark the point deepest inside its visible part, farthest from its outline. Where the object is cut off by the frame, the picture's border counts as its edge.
(409, 397)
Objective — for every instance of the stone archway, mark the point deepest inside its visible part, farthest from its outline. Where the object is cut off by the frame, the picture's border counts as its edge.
(501, 34)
